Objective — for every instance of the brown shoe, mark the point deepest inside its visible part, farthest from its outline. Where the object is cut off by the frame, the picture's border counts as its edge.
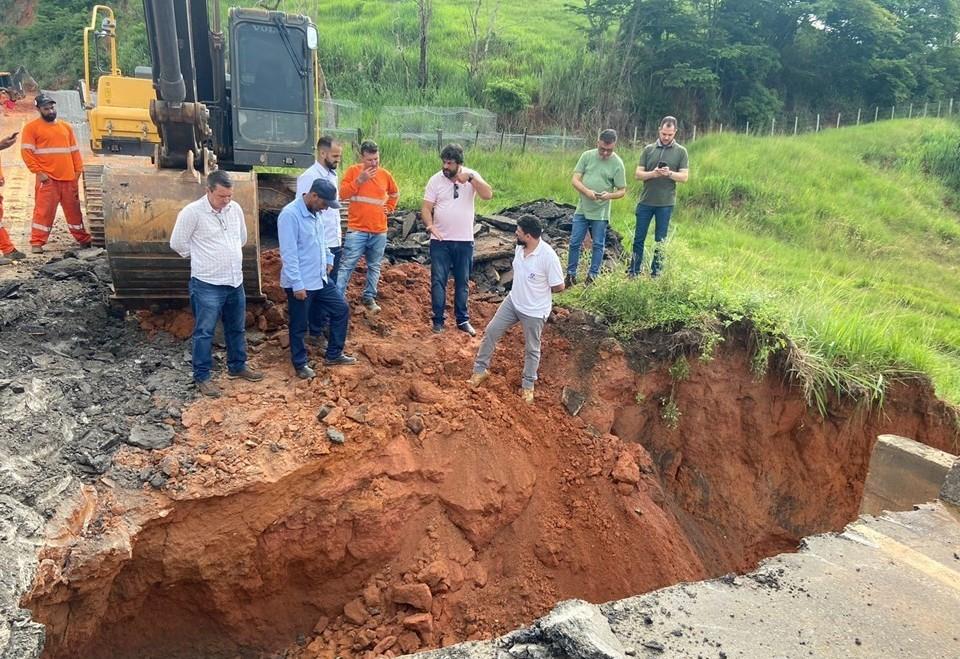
(246, 374)
(208, 388)
(477, 378)
(36, 249)
(527, 395)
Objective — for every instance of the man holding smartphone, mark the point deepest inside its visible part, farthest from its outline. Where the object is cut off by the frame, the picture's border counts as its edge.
(662, 165)
(599, 176)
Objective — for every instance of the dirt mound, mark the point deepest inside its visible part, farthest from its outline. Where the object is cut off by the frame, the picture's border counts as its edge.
(446, 513)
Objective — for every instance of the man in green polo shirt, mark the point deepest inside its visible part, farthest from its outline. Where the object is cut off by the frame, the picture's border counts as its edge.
(599, 177)
(662, 165)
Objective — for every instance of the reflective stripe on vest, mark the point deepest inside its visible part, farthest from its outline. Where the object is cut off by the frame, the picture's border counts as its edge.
(368, 200)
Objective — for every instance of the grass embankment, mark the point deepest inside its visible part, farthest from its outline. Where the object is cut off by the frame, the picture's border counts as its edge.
(841, 247)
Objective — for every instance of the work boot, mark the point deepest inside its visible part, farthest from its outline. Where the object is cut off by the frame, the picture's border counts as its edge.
(36, 249)
(527, 395)
(468, 328)
(306, 373)
(343, 360)
(5, 260)
(85, 245)
(569, 281)
(208, 388)
(371, 305)
(477, 378)
(438, 328)
(16, 255)
(246, 374)
(589, 280)
(316, 341)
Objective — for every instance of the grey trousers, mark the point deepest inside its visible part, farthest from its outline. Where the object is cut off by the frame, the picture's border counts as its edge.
(506, 317)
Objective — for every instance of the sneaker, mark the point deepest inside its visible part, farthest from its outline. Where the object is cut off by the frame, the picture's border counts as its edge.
(343, 360)
(468, 328)
(306, 373)
(246, 374)
(569, 281)
(477, 378)
(371, 305)
(5, 260)
(208, 388)
(36, 249)
(437, 328)
(527, 395)
(589, 280)
(15, 255)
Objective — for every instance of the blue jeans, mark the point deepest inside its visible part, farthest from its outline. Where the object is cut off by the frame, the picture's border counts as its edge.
(318, 323)
(368, 245)
(598, 234)
(644, 215)
(210, 302)
(446, 257)
(326, 302)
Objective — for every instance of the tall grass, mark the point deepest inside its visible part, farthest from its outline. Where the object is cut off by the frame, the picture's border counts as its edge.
(843, 244)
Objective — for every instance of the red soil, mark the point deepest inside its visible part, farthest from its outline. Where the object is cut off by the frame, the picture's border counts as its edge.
(449, 513)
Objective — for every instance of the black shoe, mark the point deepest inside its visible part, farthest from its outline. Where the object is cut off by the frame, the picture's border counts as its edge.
(569, 281)
(343, 360)
(306, 373)
(16, 255)
(246, 374)
(589, 280)
(316, 341)
(468, 328)
(438, 328)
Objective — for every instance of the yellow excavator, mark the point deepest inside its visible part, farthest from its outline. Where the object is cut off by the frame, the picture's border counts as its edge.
(205, 106)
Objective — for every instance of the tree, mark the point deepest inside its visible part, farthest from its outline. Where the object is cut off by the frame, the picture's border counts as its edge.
(424, 14)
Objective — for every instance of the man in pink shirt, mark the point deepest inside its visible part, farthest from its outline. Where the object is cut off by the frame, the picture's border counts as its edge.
(448, 213)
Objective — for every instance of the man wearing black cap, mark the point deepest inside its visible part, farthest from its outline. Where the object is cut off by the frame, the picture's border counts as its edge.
(50, 150)
(307, 262)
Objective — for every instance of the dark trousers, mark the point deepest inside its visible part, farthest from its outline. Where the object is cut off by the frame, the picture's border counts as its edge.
(319, 327)
(661, 214)
(330, 303)
(450, 257)
(209, 303)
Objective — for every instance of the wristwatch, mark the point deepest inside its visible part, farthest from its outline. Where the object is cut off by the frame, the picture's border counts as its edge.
(469, 178)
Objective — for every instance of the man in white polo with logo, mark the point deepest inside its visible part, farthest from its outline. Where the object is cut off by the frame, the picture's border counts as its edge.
(537, 274)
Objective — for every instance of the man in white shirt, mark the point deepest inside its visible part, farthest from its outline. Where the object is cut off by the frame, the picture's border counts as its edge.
(448, 213)
(211, 232)
(537, 274)
(329, 154)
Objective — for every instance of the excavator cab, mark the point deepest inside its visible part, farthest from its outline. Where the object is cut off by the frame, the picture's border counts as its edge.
(230, 101)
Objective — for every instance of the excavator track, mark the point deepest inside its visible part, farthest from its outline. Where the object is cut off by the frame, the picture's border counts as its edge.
(93, 198)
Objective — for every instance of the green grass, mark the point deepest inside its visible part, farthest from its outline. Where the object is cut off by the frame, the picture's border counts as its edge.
(840, 247)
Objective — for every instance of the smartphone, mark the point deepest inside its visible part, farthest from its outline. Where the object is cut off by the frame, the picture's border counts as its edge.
(662, 164)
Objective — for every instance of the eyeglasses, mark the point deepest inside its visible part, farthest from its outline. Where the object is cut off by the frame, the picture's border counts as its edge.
(456, 191)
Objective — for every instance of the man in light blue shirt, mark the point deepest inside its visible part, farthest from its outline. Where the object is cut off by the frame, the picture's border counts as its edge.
(307, 263)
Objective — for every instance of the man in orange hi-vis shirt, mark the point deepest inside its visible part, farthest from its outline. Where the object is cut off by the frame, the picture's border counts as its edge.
(10, 253)
(49, 149)
(372, 194)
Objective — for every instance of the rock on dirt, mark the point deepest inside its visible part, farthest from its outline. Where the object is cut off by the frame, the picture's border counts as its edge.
(151, 436)
(574, 629)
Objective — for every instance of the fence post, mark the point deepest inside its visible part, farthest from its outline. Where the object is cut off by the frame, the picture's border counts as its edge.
(476, 140)
(858, 116)
(502, 131)
(950, 108)
(748, 128)
(925, 104)
(893, 111)
(796, 123)
(838, 120)
(876, 114)
(721, 128)
(818, 122)
(773, 125)
(694, 136)
(634, 137)
(439, 140)
(910, 112)
(359, 136)
(939, 103)
(523, 145)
